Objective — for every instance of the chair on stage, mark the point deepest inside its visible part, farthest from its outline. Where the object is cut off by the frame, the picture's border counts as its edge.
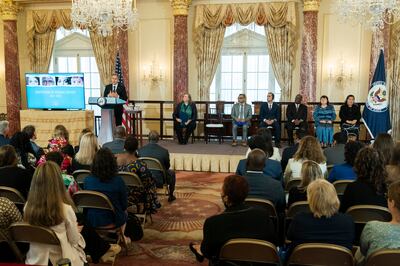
(213, 126)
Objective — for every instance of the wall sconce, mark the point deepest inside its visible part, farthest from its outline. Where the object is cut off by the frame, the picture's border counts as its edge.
(340, 73)
(154, 73)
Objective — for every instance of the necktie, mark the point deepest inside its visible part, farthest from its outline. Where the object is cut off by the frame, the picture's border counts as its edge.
(270, 106)
(297, 107)
(114, 88)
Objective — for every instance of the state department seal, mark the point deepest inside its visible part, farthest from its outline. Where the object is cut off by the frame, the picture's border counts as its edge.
(377, 100)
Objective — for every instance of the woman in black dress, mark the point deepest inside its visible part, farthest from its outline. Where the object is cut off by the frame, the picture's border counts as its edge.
(185, 116)
(350, 116)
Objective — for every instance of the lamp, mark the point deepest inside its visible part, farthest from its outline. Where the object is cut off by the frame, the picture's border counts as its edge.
(340, 74)
(154, 73)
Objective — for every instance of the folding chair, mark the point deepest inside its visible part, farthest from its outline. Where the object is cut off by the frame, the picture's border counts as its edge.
(294, 182)
(4, 238)
(341, 186)
(249, 250)
(80, 176)
(321, 254)
(267, 205)
(387, 257)
(154, 165)
(294, 209)
(13, 195)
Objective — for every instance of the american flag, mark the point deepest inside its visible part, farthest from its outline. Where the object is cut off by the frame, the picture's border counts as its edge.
(118, 71)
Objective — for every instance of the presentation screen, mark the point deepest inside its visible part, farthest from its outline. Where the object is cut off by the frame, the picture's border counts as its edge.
(55, 91)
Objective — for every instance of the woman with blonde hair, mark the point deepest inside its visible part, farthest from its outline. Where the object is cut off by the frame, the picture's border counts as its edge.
(324, 224)
(309, 173)
(309, 149)
(87, 150)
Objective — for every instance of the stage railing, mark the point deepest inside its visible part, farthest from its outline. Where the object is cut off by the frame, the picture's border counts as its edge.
(165, 109)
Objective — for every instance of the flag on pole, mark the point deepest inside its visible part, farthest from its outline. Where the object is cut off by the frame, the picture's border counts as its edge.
(118, 71)
(376, 112)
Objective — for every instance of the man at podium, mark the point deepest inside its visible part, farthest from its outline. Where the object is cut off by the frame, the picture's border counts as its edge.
(116, 90)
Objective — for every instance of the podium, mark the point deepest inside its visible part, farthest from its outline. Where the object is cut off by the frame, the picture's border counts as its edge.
(107, 126)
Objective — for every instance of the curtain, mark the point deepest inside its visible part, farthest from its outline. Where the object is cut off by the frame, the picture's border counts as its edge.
(394, 80)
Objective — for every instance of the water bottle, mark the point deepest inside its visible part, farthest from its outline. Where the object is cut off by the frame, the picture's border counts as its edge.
(63, 262)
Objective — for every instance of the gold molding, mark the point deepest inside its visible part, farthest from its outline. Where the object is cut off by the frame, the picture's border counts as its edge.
(311, 5)
(180, 7)
(9, 10)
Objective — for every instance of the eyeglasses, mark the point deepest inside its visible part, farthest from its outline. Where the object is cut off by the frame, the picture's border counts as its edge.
(241, 98)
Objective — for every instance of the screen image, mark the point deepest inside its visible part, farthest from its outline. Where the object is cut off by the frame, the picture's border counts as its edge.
(55, 91)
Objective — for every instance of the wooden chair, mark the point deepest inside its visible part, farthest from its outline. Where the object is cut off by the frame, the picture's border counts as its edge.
(294, 182)
(213, 126)
(13, 195)
(87, 199)
(268, 206)
(154, 165)
(295, 208)
(321, 254)
(4, 238)
(249, 250)
(341, 186)
(80, 176)
(387, 257)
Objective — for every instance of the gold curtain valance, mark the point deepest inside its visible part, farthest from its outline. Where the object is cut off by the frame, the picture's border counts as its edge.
(273, 14)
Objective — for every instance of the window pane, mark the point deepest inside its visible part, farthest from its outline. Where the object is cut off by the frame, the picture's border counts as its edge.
(226, 65)
(87, 80)
(226, 81)
(212, 87)
(62, 64)
(251, 95)
(85, 64)
(263, 81)
(93, 65)
(72, 65)
(251, 81)
(225, 95)
(237, 81)
(237, 61)
(234, 95)
(95, 78)
(263, 63)
(252, 63)
(262, 95)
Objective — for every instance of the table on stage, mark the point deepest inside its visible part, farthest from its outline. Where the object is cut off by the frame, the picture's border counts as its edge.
(136, 124)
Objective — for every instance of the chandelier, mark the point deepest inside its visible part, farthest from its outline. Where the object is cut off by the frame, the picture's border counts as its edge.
(371, 13)
(105, 15)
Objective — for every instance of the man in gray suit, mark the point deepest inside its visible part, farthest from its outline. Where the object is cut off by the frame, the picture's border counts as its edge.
(117, 145)
(241, 117)
(335, 154)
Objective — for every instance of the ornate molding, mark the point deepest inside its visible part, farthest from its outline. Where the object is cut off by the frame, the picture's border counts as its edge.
(311, 5)
(180, 7)
(9, 10)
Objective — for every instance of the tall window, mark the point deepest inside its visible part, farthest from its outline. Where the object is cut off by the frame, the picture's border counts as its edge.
(73, 53)
(244, 66)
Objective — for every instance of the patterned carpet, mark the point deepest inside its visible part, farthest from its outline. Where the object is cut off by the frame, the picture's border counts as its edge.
(179, 223)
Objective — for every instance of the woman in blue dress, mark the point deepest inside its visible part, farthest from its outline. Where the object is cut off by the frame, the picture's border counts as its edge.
(324, 115)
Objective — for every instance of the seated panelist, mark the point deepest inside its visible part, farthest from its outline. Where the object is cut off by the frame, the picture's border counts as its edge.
(270, 115)
(296, 114)
(185, 116)
(241, 117)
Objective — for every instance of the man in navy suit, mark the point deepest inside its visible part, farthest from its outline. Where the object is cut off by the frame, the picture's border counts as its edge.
(270, 115)
(116, 90)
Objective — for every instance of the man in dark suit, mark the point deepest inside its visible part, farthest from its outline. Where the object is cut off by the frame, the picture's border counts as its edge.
(116, 90)
(3, 133)
(153, 150)
(296, 114)
(270, 116)
(289, 152)
(117, 145)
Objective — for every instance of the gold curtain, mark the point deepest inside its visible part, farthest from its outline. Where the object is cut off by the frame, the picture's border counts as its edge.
(278, 18)
(394, 80)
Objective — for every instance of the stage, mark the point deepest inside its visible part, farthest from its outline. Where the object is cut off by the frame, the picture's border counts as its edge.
(202, 157)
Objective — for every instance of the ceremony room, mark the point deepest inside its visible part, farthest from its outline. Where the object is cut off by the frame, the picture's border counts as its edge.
(200, 132)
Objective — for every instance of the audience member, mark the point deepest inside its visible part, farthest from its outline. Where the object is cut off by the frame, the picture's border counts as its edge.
(309, 149)
(237, 221)
(21, 143)
(324, 224)
(10, 174)
(129, 162)
(393, 168)
(59, 144)
(345, 171)
(384, 144)
(383, 235)
(31, 132)
(335, 154)
(117, 145)
(153, 150)
(262, 186)
(185, 116)
(309, 173)
(83, 132)
(87, 150)
(370, 187)
(324, 116)
(273, 152)
(60, 132)
(49, 205)
(3, 133)
(289, 152)
(272, 168)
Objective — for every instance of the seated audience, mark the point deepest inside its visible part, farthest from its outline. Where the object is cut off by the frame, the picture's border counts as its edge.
(241, 117)
(83, 132)
(309, 173)
(272, 168)
(369, 187)
(384, 144)
(21, 143)
(185, 116)
(60, 132)
(153, 150)
(273, 152)
(324, 116)
(129, 162)
(70, 184)
(49, 205)
(296, 114)
(59, 144)
(345, 171)
(309, 149)
(289, 152)
(350, 116)
(324, 224)
(3, 133)
(237, 221)
(31, 132)
(383, 235)
(260, 185)
(393, 168)
(87, 150)
(10, 174)
(335, 154)
(117, 145)
(270, 116)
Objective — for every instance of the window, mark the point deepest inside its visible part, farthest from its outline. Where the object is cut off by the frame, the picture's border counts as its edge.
(73, 53)
(244, 67)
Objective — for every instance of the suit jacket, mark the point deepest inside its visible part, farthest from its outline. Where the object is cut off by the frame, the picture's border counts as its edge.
(121, 92)
(236, 222)
(272, 169)
(178, 109)
(15, 177)
(4, 140)
(153, 150)
(335, 155)
(293, 114)
(266, 113)
(116, 146)
(236, 112)
(287, 154)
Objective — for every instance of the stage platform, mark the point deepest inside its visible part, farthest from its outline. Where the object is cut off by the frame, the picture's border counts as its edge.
(202, 157)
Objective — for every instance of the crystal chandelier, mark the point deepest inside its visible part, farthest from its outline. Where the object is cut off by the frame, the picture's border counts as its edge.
(105, 15)
(372, 13)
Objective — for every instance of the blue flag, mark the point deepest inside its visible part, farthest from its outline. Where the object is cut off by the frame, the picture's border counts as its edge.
(376, 112)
